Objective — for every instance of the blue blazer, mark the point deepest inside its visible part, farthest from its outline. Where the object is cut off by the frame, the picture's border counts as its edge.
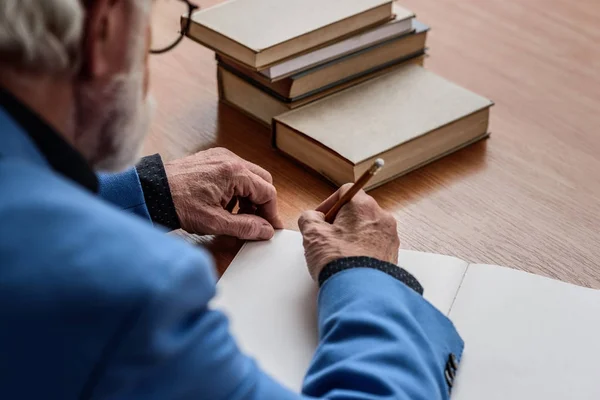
(96, 303)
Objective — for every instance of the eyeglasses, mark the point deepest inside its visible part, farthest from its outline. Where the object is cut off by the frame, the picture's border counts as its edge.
(167, 31)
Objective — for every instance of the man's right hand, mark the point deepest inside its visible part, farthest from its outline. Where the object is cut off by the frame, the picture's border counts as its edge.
(361, 228)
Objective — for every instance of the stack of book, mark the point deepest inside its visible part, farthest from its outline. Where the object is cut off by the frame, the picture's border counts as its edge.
(340, 83)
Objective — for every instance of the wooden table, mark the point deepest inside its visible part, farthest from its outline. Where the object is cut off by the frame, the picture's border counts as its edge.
(528, 198)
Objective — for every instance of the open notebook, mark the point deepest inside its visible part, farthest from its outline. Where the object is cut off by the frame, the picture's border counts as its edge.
(527, 337)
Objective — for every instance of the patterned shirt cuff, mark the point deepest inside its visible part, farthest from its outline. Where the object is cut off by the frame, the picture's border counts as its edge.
(157, 192)
(394, 271)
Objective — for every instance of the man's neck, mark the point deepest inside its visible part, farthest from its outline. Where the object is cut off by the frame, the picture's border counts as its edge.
(49, 97)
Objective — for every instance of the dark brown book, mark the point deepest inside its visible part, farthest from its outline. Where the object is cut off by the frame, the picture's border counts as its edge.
(337, 71)
(263, 106)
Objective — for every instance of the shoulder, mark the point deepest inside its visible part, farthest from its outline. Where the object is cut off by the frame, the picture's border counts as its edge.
(70, 241)
(76, 274)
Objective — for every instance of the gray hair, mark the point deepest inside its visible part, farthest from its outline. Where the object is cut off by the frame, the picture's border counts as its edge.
(43, 35)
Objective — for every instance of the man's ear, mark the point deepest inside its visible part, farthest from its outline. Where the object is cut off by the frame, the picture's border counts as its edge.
(105, 43)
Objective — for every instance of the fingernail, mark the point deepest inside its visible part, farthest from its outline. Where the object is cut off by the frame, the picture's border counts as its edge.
(266, 232)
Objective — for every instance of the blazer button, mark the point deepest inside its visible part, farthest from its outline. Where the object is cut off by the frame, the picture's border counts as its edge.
(450, 372)
(449, 378)
(453, 361)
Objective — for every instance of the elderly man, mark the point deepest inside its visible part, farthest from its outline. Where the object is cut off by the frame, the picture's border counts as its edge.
(96, 302)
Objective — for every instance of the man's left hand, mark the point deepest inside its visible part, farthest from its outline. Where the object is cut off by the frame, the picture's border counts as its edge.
(208, 185)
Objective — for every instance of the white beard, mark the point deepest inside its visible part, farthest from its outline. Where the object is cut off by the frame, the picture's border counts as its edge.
(111, 123)
(112, 119)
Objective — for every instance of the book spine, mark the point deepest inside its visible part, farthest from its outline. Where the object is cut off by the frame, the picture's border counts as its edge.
(289, 100)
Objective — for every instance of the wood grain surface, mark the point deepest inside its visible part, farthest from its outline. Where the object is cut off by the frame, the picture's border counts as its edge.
(528, 198)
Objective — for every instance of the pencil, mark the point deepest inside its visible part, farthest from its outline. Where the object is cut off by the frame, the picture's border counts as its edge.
(358, 185)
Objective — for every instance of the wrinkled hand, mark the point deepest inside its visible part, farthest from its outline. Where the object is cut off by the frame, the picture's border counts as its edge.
(361, 228)
(207, 186)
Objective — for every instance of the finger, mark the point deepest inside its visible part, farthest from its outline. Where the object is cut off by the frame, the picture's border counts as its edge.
(361, 206)
(330, 202)
(325, 206)
(263, 173)
(245, 226)
(270, 212)
(261, 193)
(363, 199)
(226, 154)
(310, 218)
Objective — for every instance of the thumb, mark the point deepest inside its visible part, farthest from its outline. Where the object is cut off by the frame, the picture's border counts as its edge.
(309, 218)
(246, 226)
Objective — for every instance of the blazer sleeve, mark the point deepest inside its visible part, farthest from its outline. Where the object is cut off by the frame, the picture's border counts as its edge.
(143, 190)
(378, 340)
(124, 190)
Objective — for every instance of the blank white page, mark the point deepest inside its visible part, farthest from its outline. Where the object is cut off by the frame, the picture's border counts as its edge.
(271, 300)
(439, 275)
(527, 337)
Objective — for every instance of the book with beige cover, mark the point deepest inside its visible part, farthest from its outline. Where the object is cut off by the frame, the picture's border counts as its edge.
(408, 117)
(401, 24)
(258, 33)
